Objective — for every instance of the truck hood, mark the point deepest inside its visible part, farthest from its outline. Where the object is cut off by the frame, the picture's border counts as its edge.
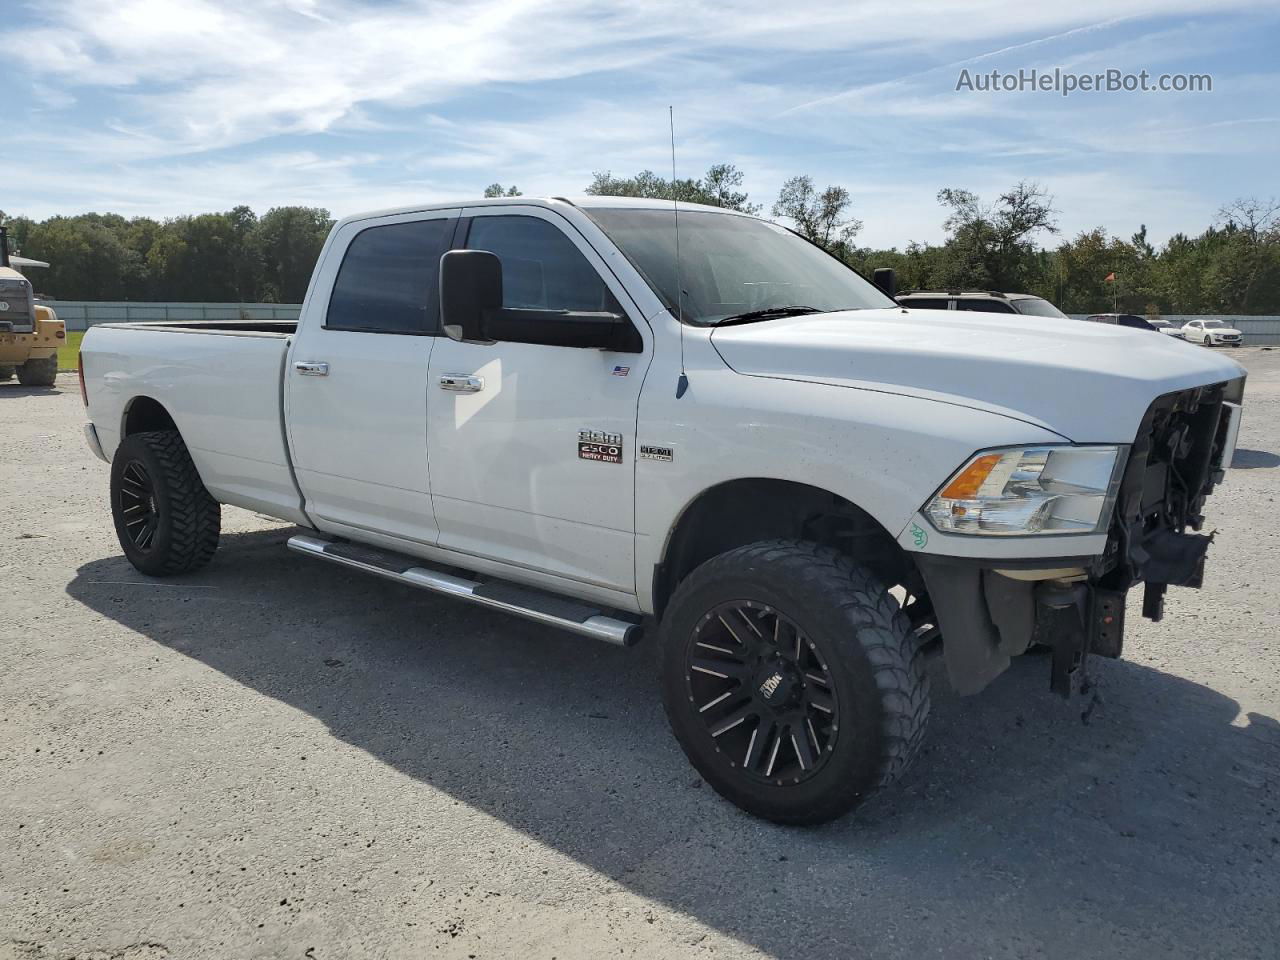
(1087, 382)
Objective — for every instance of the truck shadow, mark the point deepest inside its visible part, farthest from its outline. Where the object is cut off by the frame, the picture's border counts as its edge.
(1253, 459)
(1152, 827)
(15, 389)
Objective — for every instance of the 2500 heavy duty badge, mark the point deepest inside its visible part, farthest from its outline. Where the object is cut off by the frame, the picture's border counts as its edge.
(600, 446)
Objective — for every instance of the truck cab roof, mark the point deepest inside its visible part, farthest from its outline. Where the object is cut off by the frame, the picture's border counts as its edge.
(552, 203)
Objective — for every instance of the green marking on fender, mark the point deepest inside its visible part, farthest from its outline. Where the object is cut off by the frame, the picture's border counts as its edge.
(918, 535)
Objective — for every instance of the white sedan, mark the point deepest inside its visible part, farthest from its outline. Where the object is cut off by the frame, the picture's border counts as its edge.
(1212, 333)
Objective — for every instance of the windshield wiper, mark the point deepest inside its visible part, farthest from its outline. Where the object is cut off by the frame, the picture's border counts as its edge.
(768, 313)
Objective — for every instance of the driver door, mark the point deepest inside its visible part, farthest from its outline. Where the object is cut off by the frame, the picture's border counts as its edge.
(516, 430)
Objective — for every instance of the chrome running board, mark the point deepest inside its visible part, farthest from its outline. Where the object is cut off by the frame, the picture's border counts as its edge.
(527, 602)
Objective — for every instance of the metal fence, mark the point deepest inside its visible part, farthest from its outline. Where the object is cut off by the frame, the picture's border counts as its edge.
(1258, 331)
(83, 314)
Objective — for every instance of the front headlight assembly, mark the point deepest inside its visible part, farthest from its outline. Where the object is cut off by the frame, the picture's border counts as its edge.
(1029, 490)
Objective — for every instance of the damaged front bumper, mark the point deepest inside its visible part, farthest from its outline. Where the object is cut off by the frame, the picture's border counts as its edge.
(988, 611)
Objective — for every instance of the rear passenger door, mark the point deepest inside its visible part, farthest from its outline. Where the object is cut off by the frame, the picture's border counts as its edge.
(356, 377)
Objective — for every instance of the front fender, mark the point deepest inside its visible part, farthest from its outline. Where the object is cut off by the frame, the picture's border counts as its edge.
(885, 453)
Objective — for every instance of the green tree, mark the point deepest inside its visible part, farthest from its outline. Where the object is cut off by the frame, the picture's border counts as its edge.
(88, 259)
(290, 239)
(719, 188)
(1245, 268)
(991, 245)
(820, 216)
(1082, 266)
(498, 190)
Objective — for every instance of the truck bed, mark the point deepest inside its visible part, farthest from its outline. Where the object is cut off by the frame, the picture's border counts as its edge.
(239, 328)
(220, 381)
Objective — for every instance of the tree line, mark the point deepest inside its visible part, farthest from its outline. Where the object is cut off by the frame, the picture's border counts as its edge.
(1010, 243)
(232, 257)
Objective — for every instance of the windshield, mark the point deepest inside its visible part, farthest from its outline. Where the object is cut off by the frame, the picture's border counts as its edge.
(732, 265)
(1035, 307)
(1213, 324)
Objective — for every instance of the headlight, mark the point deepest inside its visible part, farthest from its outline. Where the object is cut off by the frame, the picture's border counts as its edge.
(1031, 490)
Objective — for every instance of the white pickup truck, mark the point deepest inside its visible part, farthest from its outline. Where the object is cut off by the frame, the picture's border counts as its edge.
(541, 406)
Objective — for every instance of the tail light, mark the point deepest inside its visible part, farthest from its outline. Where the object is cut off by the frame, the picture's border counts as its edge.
(84, 394)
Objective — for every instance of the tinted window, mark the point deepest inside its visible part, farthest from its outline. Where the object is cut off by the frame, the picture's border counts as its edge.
(1130, 320)
(387, 281)
(984, 306)
(541, 268)
(1035, 307)
(927, 303)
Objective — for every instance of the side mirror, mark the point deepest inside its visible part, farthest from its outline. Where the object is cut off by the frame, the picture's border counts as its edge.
(471, 310)
(886, 280)
(470, 288)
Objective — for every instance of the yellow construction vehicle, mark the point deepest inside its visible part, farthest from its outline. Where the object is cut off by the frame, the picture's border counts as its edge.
(30, 332)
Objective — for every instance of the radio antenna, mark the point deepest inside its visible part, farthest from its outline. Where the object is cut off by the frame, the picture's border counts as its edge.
(682, 384)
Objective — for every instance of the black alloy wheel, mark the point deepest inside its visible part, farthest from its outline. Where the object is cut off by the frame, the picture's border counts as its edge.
(137, 505)
(763, 691)
(165, 519)
(792, 679)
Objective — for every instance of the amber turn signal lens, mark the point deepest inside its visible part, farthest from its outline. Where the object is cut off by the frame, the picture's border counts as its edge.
(965, 486)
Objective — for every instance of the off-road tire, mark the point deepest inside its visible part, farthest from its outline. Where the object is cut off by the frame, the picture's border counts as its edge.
(188, 519)
(6, 372)
(854, 623)
(38, 373)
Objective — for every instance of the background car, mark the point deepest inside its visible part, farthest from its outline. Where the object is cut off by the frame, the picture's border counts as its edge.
(1212, 333)
(1168, 329)
(1123, 320)
(983, 301)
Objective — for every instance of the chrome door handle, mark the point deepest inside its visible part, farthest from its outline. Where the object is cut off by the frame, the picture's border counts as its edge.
(461, 383)
(312, 368)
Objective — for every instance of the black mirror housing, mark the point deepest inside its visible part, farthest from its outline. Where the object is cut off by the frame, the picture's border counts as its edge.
(471, 311)
(470, 289)
(600, 330)
(886, 280)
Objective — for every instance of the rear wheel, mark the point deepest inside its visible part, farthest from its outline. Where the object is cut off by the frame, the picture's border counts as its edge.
(792, 680)
(38, 373)
(166, 521)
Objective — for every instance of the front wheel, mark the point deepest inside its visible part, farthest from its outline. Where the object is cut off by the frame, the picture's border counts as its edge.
(166, 521)
(792, 680)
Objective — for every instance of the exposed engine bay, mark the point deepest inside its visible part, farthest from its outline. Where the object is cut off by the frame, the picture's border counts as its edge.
(1180, 453)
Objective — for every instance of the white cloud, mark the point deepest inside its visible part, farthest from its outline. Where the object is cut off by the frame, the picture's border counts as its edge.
(209, 74)
(168, 106)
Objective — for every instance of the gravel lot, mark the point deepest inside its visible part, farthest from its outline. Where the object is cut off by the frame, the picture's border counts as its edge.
(276, 758)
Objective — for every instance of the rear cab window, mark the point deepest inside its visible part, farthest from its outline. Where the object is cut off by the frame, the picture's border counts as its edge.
(388, 279)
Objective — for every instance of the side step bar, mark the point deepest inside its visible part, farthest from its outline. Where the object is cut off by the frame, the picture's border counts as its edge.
(532, 604)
